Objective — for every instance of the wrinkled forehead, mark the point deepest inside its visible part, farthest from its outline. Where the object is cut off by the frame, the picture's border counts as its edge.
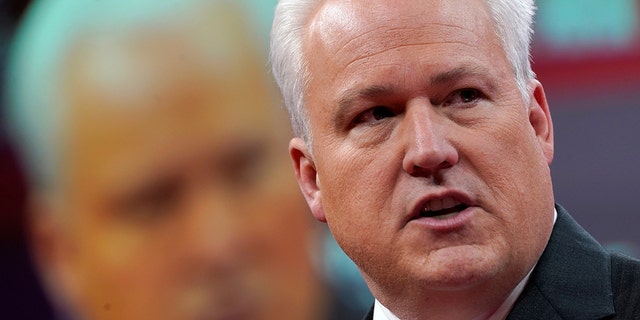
(347, 25)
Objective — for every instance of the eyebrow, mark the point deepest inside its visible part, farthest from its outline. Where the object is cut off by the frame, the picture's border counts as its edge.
(456, 74)
(349, 97)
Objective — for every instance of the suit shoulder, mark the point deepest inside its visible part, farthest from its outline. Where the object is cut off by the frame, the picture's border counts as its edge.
(625, 269)
(625, 278)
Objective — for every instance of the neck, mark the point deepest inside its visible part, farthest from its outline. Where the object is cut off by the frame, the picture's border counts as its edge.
(478, 302)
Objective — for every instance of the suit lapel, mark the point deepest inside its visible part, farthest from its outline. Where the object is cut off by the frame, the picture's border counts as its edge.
(533, 305)
(369, 315)
(572, 279)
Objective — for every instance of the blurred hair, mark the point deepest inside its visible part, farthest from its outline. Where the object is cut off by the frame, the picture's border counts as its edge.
(35, 114)
(512, 21)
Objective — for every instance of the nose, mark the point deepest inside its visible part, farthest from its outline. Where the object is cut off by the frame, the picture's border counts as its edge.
(215, 237)
(427, 146)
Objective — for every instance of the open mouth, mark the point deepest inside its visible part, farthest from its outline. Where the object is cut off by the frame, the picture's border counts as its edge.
(442, 208)
(444, 213)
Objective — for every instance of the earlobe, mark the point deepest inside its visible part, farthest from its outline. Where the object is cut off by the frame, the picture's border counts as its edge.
(540, 120)
(307, 177)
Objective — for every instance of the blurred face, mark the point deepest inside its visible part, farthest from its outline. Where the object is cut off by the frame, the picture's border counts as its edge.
(428, 167)
(178, 203)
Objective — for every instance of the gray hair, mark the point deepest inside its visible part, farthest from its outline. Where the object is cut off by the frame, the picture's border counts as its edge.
(513, 20)
(35, 114)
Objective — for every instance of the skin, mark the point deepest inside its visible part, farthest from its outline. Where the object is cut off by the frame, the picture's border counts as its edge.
(174, 202)
(411, 101)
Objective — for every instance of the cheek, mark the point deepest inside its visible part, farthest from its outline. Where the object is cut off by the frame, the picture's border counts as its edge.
(514, 178)
(281, 234)
(122, 288)
(352, 179)
(506, 156)
(358, 186)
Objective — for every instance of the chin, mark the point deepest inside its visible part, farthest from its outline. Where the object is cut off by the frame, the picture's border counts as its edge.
(460, 267)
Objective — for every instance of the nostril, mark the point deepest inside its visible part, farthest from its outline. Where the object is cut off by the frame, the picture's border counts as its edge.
(434, 171)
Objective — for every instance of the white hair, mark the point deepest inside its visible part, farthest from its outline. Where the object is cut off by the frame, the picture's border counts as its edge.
(288, 63)
(35, 113)
(512, 21)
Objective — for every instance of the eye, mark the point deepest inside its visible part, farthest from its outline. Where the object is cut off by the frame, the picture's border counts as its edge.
(374, 114)
(151, 201)
(463, 97)
(244, 165)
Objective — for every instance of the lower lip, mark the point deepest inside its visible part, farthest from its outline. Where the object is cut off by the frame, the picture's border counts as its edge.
(451, 223)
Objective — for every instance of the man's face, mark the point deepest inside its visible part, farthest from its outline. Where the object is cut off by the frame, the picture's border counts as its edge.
(178, 203)
(427, 165)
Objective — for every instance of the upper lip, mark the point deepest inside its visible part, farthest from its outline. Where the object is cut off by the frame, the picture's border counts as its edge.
(450, 197)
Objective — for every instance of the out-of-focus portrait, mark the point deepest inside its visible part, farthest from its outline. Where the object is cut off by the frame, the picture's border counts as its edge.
(157, 183)
(144, 171)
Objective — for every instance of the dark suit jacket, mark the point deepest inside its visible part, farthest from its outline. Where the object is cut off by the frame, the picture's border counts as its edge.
(576, 278)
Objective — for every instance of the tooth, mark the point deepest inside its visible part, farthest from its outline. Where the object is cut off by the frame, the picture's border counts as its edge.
(435, 204)
(426, 208)
(448, 203)
(446, 216)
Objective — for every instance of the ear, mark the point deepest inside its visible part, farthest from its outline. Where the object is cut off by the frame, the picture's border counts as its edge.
(307, 177)
(52, 251)
(540, 120)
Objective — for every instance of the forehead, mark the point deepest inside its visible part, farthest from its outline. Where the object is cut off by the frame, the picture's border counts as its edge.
(135, 102)
(171, 71)
(343, 26)
(399, 43)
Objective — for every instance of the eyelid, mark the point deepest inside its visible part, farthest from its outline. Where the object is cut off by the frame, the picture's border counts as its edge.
(369, 113)
(479, 95)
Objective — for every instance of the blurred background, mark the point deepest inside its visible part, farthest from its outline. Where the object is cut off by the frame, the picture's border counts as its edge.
(586, 56)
